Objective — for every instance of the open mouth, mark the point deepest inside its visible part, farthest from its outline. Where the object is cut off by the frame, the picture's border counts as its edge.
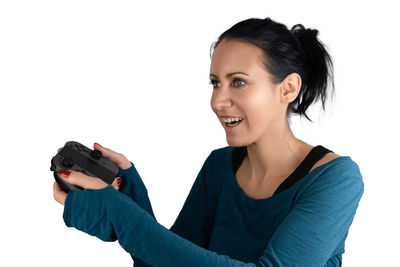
(233, 123)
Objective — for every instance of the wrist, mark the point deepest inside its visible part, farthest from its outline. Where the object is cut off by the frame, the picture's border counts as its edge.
(125, 165)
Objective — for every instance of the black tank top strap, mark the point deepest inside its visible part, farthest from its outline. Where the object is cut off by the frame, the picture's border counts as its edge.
(305, 166)
(239, 153)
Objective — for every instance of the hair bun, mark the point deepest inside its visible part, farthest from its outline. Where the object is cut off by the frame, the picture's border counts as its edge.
(299, 30)
(268, 20)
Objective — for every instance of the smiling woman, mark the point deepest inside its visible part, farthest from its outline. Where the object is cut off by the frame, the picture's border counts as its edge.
(262, 73)
(266, 199)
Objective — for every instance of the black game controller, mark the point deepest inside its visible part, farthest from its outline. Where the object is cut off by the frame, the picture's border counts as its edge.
(76, 157)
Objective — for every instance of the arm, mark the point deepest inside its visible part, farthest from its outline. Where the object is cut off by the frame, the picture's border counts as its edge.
(193, 220)
(319, 221)
(307, 237)
(134, 188)
(188, 222)
(110, 215)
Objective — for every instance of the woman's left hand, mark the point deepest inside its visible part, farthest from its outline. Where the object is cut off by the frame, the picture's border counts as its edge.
(82, 180)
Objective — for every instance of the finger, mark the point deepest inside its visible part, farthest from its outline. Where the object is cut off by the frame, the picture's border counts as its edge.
(58, 194)
(83, 180)
(116, 183)
(106, 152)
(58, 150)
(115, 157)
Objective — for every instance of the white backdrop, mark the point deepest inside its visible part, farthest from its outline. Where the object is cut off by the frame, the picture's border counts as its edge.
(133, 76)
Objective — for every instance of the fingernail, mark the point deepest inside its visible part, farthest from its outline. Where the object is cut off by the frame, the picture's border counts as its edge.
(64, 173)
(98, 144)
(119, 181)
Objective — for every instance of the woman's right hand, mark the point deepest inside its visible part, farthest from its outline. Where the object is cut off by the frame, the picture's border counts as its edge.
(115, 157)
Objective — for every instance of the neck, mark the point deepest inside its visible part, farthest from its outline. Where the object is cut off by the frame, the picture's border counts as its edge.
(275, 155)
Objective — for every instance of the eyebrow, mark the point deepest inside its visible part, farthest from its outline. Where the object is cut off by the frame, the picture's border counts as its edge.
(230, 74)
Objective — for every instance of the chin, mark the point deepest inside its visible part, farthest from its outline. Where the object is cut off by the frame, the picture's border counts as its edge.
(235, 143)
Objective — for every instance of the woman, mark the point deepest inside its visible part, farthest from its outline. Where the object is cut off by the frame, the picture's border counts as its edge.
(267, 199)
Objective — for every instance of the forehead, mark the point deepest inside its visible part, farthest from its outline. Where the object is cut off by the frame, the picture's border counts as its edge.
(234, 55)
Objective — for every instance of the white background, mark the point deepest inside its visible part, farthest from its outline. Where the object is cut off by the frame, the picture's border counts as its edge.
(133, 76)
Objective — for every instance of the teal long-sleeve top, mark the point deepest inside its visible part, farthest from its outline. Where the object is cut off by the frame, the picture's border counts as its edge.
(219, 225)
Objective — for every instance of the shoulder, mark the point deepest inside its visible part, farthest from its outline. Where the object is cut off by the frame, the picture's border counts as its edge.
(332, 155)
(340, 175)
(221, 154)
(325, 159)
(343, 165)
(218, 162)
(222, 150)
(332, 164)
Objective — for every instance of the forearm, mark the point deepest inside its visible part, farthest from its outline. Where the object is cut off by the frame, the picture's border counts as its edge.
(110, 215)
(158, 246)
(134, 188)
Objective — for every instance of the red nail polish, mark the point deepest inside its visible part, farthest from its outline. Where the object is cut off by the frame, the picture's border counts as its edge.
(64, 173)
(119, 181)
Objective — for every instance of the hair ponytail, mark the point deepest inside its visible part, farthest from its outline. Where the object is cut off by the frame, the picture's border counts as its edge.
(319, 68)
(287, 51)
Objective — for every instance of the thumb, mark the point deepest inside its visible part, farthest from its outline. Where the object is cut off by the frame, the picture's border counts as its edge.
(115, 157)
(106, 152)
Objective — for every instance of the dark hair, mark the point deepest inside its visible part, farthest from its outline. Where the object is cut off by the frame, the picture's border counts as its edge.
(287, 51)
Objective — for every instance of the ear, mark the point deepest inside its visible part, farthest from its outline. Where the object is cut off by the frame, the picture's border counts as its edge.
(290, 87)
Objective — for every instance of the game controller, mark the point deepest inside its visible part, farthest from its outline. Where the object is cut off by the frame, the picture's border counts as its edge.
(76, 157)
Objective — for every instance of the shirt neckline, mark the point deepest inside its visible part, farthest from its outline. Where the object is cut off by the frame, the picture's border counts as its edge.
(278, 195)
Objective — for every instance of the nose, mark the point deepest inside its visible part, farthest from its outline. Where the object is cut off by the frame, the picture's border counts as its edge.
(220, 100)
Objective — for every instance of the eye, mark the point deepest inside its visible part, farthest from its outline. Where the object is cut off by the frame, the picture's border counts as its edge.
(213, 83)
(238, 80)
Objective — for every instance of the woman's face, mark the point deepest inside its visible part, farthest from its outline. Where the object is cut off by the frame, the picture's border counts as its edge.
(250, 95)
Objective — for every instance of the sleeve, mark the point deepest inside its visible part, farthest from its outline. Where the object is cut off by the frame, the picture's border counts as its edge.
(134, 188)
(319, 221)
(110, 215)
(307, 237)
(192, 222)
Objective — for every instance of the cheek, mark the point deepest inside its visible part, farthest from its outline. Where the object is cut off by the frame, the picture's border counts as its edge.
(259, 108)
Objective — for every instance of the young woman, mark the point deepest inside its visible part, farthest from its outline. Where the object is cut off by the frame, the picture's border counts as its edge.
(266, 199)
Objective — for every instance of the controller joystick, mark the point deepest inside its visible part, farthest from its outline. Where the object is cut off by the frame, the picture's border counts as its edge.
(67, 162)
(76, 157)
(96, 154)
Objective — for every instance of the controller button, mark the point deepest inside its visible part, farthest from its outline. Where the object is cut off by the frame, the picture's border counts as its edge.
(67, 162)
(96, 154)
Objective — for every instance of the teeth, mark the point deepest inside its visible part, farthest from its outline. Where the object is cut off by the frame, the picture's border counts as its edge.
(232, 119)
